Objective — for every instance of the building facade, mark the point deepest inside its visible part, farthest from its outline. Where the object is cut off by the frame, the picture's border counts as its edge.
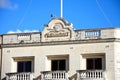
(61, 53)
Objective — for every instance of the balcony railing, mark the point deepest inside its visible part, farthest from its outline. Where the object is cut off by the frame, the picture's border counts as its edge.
(91, 75)
(54, 75)
(19, 76)
(92, 34)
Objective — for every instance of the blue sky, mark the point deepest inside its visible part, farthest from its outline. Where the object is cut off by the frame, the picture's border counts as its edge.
(31, 15)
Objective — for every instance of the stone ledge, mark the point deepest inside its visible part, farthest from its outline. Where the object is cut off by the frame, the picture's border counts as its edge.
(61, 42)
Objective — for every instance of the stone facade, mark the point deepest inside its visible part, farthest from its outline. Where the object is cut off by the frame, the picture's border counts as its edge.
(59, 41)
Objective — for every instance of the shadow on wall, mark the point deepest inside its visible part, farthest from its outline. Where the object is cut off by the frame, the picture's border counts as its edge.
(73, 77)
(38, 78)
(4, 78)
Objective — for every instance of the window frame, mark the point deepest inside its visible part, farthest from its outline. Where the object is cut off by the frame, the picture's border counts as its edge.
(94, 65)
(58, 66)
(58, 57)
(24, 65)
(24, 59)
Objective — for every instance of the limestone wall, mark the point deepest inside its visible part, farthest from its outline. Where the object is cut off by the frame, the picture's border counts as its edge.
(75, 53)
(21, 38)
(117, 61)
(97, 33)
(78, 35)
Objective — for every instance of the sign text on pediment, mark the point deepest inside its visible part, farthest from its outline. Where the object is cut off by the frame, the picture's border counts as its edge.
(56, 34)
(57, 30)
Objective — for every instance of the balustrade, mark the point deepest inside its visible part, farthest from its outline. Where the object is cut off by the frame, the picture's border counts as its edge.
(54, 75)
(19, 76)
(92, 34)
(91, 75)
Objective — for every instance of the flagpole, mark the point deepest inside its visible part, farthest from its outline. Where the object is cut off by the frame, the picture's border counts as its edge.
(61, 8)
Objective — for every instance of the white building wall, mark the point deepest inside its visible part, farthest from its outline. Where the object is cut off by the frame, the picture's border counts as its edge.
(17, 38)
(117, 33)
(110, 66)
(108, 33)
(78, 35)
(35, 37)
(8, 39)
(75, 52)
(117, 61)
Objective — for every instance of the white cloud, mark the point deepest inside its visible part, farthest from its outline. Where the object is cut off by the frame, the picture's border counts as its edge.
(18, 31)
(25, 31)
(7, 4)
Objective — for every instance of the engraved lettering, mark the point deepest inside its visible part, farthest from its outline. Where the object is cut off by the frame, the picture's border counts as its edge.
(56, 34)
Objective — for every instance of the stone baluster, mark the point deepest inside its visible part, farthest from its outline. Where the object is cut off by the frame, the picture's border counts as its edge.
(55, 75)
(91, 74)
(19, 76)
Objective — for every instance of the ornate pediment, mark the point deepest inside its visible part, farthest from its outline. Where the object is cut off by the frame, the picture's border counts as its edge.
(57, 30)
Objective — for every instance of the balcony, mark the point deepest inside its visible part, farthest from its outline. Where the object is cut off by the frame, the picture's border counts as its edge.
(19, 76)
(91, 75)
(54, 75)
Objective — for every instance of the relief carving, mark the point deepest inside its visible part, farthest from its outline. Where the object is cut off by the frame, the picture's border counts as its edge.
(56, 34)
(57, 30)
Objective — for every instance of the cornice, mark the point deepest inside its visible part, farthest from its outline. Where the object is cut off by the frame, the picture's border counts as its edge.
(60, 43)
